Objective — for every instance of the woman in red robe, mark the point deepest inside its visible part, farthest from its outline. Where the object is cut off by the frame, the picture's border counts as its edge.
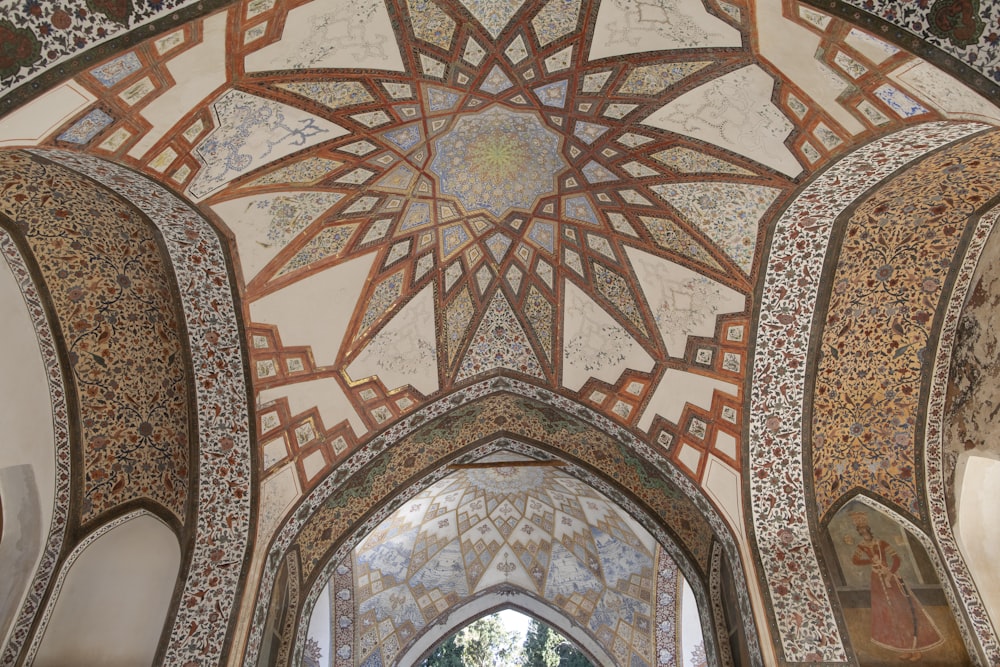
(899, 621)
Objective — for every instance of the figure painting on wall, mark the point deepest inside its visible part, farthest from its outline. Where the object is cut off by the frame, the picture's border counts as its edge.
(899, 622)
(894, 606)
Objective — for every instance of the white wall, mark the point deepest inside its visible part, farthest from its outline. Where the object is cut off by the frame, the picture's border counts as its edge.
(27, 450)
(114, 601)
(977, 496)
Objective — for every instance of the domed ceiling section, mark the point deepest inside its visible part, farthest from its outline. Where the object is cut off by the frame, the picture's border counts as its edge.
(509, 523)
(575, 193)
(505, 217)
(421, 194)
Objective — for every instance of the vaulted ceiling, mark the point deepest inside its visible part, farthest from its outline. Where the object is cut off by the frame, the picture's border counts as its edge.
(691, 261)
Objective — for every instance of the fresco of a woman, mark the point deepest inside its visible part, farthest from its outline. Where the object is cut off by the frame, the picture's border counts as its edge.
(899, 621)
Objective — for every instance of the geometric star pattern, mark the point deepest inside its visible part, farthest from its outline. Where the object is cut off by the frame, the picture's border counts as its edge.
(483, 528)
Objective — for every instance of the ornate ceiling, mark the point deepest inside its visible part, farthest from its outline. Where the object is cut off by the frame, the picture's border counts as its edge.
(598, 228)
(533, 529)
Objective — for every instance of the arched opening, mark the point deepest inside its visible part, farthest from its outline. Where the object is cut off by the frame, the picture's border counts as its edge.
(113, 596)
(514, 637)
(32, 437)
(506, 530)
(349, 506)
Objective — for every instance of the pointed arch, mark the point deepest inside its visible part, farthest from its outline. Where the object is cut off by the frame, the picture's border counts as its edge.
(216, 531)
(497, 600)
(473, 422)
(970, 601)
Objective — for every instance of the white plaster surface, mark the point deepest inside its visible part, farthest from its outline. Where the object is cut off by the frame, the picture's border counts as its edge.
(594, 344)
(320, 326)
(319, 625)
(32, 122)
(21, 542)
(869, 46)
(198, 72)
(27, 452)
(690, 457)
(945, 93)
(722, 484)
(690, 627)
(264, 224)
(977, 496)
(404, 351)
(791, 48)
(278, 492)
(113, 604)
(325, 395)
(678, 388)
(625, 27)
(25, 410)
(725, 443)
(684, 303)
(335, 34)
(734, 112)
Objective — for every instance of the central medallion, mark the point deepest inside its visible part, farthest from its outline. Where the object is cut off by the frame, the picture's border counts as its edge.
(497, 160)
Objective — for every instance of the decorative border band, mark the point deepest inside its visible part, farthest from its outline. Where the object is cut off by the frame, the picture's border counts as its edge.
(340, 476)
(934, 447)
(21, 629)
(202, 620)
(803, 613)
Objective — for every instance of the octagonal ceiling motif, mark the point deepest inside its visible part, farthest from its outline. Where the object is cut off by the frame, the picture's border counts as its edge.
(422, 192)
(515, 203)
(574, 193)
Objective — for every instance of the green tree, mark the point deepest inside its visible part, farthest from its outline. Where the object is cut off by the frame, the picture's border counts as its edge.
(540, 646)
(486, 643)
(446, 654)
(570, 655)
(544, 647)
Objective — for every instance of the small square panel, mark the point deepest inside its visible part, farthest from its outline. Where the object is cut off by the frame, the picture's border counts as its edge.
(731, 362)
(305, 433)
(735, 333)
(269, 421)
(313, 464)
(690, 457)
(729, 414)
(266, 368)
(274, 452)
(703, 356)
(622, 409)
(697, 428)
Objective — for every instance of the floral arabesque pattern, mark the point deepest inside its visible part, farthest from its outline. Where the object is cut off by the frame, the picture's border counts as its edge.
(938, 472)
(775, 429)
(21, 629)
(212, 581)
(673, 554)
(964, 29)
(474, 422)
(640, 458)
(897, 251)
(109, 287)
